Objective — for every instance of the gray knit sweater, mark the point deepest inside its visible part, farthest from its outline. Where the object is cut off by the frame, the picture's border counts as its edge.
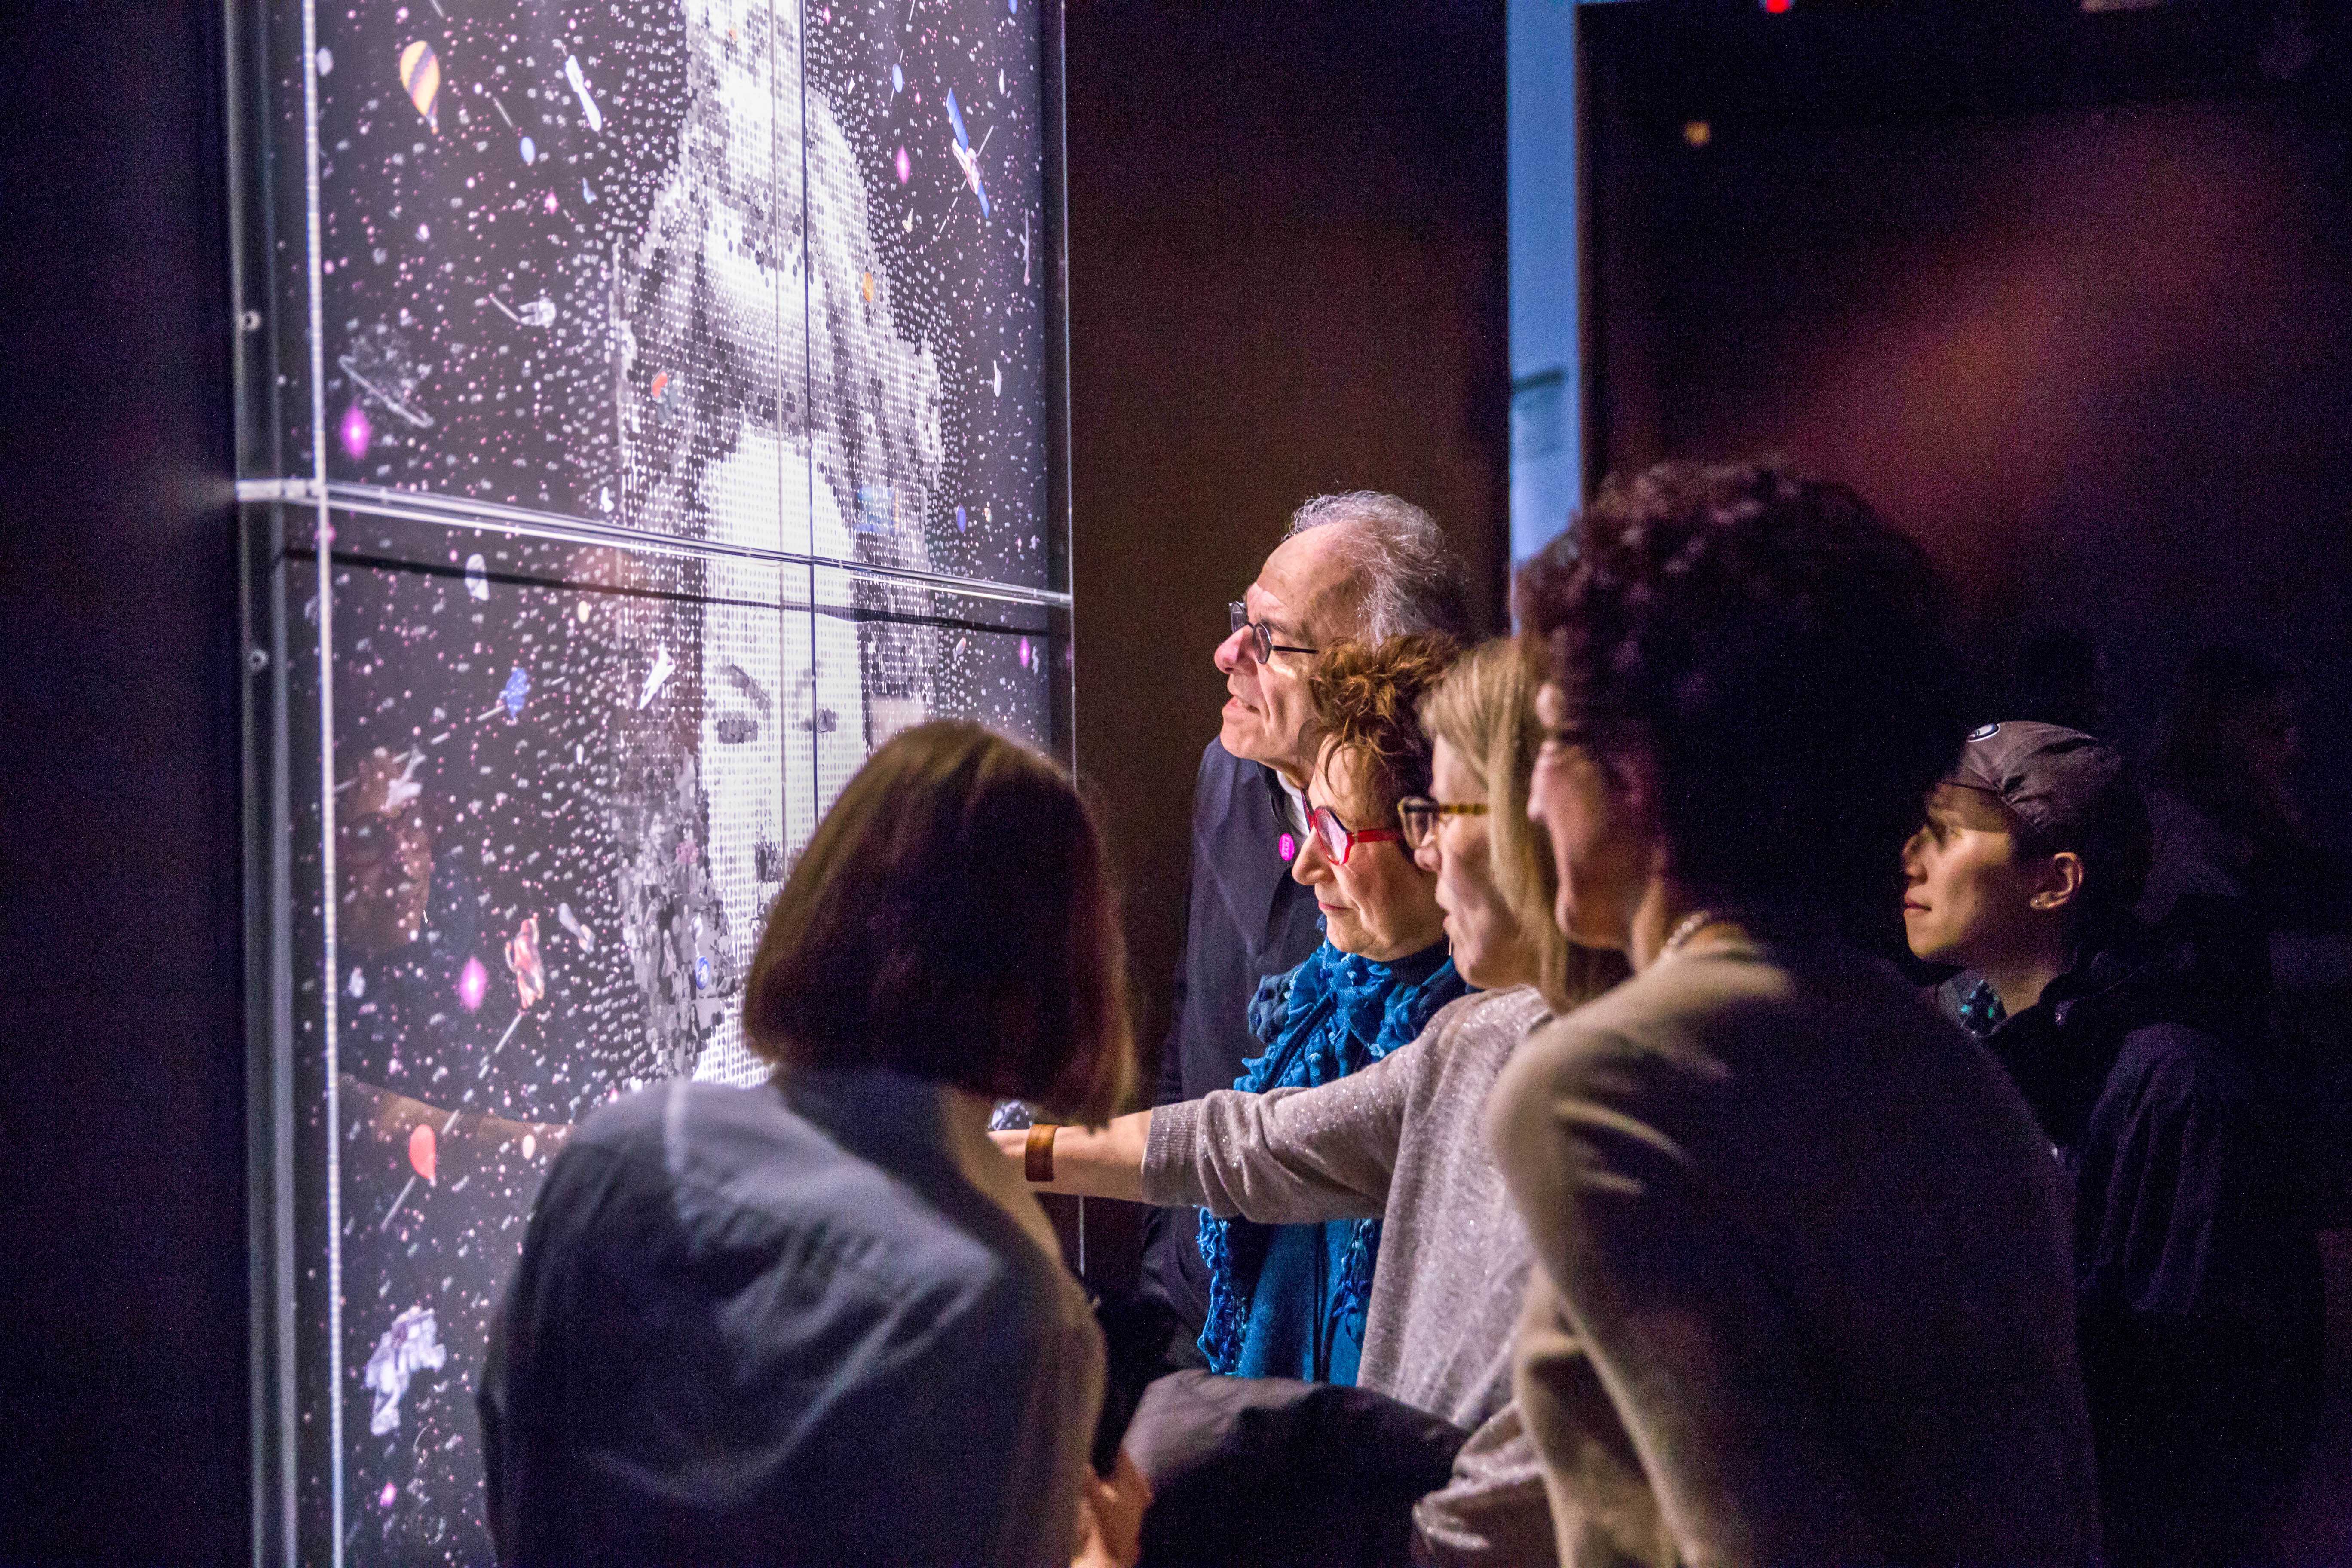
(1402, 1142)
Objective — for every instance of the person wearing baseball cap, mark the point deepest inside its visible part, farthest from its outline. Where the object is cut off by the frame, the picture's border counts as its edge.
(2153, 1070)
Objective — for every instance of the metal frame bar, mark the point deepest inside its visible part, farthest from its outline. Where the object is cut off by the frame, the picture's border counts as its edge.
(413, 506)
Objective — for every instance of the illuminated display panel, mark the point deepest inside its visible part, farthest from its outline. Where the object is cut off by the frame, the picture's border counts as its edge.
(654, 409)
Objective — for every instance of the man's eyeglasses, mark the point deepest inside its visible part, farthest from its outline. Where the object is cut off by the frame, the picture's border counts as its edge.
(1261, 636)
(1420, 815)
(1338, 838)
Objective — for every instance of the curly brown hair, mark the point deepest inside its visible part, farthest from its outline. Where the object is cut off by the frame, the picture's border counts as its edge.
(1367, 698)
(1783, 655)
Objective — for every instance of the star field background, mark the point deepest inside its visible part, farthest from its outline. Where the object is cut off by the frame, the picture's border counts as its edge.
(717, 273)
(488, 261)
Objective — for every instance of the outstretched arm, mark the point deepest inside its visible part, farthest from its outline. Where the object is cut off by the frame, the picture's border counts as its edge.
(1283, 1157)
(1091, 1163)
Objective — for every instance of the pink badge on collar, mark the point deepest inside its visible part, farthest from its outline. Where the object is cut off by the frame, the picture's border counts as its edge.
(1290, 848)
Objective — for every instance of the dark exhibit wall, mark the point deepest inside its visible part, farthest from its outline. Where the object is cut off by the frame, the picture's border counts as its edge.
(2095, 354)
(122, 1375)
(1286, 277)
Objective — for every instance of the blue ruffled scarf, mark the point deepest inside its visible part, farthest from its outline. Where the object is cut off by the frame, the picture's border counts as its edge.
(1332, 1015)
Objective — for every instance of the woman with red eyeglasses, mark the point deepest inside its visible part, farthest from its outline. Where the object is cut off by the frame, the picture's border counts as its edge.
(1289, 1300)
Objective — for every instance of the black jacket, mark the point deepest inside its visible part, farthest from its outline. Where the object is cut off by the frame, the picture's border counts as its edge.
(2155, 1070)
(1244, 919)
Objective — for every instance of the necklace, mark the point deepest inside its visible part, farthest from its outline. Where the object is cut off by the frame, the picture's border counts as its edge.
(1689, 926)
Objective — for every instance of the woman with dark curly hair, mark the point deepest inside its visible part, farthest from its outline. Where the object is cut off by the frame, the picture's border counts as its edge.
(1803, 1290)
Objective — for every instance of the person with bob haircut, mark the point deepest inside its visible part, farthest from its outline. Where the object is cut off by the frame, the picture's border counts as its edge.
(818, 1321)
(1802, 1289)
(1401, 1142)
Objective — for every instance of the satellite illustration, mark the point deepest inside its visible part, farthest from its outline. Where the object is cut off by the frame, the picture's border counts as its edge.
(681, 392)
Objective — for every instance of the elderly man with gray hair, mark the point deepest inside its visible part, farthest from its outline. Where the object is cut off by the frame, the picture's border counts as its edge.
(1362, 565)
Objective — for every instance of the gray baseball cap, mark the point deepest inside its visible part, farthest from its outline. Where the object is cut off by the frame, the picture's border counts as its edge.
(2053, 778)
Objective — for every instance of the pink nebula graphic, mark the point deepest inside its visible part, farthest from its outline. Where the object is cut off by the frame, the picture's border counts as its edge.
(473, 984)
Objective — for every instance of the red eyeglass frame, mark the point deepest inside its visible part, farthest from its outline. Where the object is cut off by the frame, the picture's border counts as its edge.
(1349, 838)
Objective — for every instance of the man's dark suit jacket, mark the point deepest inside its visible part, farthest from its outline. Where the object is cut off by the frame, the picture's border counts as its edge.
(1244, 919)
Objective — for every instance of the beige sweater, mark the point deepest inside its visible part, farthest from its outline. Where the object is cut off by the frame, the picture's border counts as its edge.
(1802, 1292)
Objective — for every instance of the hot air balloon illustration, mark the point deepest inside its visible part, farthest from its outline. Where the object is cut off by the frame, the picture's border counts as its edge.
(420, 73)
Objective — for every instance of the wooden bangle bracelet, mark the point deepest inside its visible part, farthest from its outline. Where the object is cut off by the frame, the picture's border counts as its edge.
(1038, 1153)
